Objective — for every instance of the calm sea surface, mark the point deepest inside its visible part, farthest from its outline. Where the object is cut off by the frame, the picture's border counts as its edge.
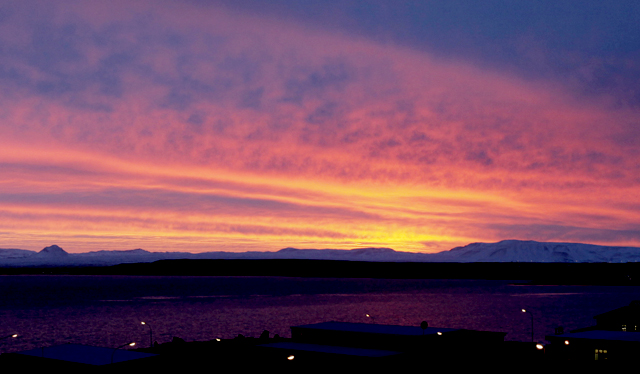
(107, 310)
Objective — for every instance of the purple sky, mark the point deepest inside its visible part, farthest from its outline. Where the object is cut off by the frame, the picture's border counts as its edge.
(257, 125)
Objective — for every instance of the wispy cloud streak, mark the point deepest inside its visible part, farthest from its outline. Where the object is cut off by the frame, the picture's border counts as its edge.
(169, 120)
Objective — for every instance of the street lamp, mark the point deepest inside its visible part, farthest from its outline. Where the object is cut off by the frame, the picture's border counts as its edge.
(150, 334)
(9, 336)
(124, 345)
(531, 314)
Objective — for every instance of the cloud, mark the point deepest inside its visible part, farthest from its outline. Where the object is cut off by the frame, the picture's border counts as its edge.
(197, 112)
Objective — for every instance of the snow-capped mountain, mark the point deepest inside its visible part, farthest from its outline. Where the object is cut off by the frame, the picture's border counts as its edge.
(53, 251)
(504, 251)
(532, 251)
(12, 253)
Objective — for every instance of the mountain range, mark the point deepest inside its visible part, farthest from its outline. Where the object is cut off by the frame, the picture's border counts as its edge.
(503, 251)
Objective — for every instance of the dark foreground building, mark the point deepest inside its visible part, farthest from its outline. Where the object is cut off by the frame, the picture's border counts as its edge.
(614, 338)
(78, 356)
(335, 346)
(338, 343)
(595, 345)
(625, 319)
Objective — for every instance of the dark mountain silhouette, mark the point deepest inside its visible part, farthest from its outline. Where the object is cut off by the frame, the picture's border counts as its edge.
(53, 251)
(503, 251)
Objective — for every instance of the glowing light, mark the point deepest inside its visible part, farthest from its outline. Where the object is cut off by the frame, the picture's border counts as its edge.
(539, 346)
(290, 357)
(566, 342)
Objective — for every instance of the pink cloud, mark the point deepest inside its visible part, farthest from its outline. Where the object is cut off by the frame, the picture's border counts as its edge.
(178, 102)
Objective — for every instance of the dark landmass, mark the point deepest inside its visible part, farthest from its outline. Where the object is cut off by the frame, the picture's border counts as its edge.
(532, 273)
(247, 354)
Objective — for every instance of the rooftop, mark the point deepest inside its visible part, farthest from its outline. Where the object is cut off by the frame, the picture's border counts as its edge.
(350, 351)
(601, 335)
(376, 329)
(632, 309)
(85, 354)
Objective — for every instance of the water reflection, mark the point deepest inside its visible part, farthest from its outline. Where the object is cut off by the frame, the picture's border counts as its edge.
(105, 310)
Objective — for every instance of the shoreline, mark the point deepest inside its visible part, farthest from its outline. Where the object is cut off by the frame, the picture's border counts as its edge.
(606, 274)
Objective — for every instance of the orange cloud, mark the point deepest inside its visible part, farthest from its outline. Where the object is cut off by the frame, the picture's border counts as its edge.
(186, 129)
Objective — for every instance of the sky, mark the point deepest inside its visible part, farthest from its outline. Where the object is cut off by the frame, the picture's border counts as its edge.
(257, 125)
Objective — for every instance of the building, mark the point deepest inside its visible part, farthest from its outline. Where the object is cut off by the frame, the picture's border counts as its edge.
(78, 356)
(375, 344)
(594, 345)
(626, 318)
(615, 337)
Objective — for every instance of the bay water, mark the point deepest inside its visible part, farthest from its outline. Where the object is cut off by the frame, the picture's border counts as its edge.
(107, 311)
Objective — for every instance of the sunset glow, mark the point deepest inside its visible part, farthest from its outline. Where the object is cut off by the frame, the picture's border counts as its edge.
(204, 126)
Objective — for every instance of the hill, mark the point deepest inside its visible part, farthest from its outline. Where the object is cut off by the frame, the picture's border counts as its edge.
(503, 251)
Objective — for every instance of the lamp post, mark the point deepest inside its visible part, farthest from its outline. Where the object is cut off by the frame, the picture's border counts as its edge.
(9, 336)
(531, 314)
(150, 334)
(124, 345)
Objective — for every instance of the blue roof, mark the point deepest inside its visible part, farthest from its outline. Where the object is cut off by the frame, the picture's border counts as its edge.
(350, 351)
(600, 335)
(376, 329)
(86, 354)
